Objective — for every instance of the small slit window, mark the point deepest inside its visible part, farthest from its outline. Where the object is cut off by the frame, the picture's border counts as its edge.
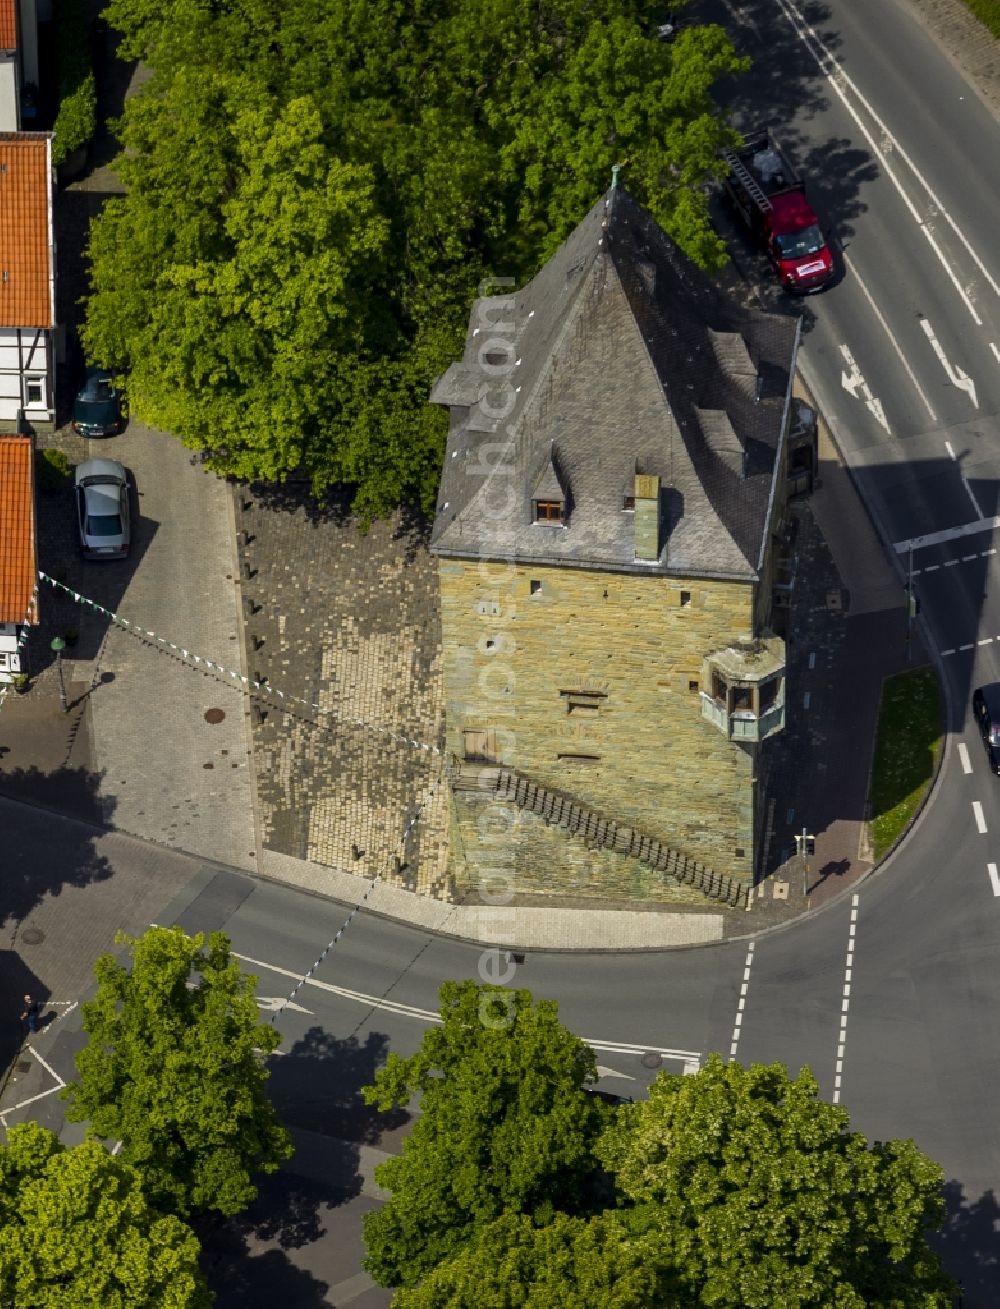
(628, 502)
(534, 586)
(548, 511)
(685, 598)
(583, 703)
(693, 684)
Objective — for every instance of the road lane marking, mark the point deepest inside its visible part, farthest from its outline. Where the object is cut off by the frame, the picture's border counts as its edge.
(961, 473)
(963, 754)
(853, 383)
(687, 1057)
(994, 878)
(835, 74)
(838, 1070)
(895, 344)
(996, 352)
(947, 534)
(977, 809)
(737, 1026)
(957, 376)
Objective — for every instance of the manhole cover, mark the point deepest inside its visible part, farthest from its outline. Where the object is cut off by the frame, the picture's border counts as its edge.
(22, 1066)
(32, 936)
(651, 1059)
(214, 715)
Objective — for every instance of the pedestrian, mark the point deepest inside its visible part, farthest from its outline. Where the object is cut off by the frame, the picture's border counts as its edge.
(32, 1009)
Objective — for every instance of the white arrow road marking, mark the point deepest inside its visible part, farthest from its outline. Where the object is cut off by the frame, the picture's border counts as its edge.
(963, 754)
(977, 810)
(271, 1003)
(610, 1072)
(957, 376)
(853, 382)
(994, 878)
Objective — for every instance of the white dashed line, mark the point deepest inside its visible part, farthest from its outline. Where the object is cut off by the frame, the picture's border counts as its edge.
(963, 754)
(846, 1002)
(805, 699)
(970, 646)
(987, 640)
(742, 1001)
(812, 659)
(977, 810)
(950, 563)
(994, 878)
(996, 352)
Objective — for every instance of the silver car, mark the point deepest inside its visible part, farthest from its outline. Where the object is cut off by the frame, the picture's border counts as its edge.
(102, 509)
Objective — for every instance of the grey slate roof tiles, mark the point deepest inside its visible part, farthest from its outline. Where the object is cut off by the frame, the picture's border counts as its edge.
(618, 357)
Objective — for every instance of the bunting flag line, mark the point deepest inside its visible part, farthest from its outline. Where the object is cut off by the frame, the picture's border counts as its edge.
(262, 689)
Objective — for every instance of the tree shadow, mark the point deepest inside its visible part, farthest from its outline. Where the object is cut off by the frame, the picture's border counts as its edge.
(315, 1088)
(969, 1244)
(17, 980)
(70, 859)
(244, 1281)
(301, 1090)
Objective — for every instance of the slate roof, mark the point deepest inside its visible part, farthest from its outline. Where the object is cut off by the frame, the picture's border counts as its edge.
(18, 564)
(26, 271)
(618, 357)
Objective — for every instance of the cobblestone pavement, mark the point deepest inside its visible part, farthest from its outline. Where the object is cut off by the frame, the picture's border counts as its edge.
(350, 623)
(168, 744)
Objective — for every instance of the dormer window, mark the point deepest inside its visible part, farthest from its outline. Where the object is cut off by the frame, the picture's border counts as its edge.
(548, 511)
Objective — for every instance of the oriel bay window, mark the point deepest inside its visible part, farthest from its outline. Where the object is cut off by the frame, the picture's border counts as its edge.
(747, 700)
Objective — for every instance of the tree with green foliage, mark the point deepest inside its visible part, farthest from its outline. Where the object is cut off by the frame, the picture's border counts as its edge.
(756, 1193)
(174, 1071)
(569, 1263)
(505, 1127)
(314, 191)
(76, 1232)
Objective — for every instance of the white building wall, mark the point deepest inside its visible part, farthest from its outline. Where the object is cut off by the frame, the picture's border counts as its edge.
(8, 93)
(26, 377)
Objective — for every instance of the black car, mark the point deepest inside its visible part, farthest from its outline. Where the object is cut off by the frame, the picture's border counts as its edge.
(97, 410)
(986, 709)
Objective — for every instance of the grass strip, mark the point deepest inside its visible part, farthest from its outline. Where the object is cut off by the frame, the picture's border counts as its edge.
(907, 745)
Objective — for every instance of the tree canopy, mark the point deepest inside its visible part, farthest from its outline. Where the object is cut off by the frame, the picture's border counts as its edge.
(731, 1187)
(504, 1128)
(569, 1263)
(758, 1194)
(76, 1232)
(316, 189)
(174, 1071)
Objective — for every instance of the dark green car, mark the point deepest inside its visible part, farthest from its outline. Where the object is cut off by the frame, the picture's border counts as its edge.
(97, 409)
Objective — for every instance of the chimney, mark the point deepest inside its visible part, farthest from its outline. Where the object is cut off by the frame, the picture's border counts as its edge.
(647, 517)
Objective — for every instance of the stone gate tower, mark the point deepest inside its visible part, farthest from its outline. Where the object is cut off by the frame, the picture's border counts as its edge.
(612, 492)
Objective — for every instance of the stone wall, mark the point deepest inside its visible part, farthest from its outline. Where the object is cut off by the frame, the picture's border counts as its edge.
(588, 682)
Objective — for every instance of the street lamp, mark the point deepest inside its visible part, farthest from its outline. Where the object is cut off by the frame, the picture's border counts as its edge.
(58, 645)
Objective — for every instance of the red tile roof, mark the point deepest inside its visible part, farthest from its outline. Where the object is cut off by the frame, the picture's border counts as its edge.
(18, 564)
(8, 25)
(25, 254)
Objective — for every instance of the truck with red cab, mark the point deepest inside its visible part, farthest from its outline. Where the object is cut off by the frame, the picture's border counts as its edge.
(771, 197)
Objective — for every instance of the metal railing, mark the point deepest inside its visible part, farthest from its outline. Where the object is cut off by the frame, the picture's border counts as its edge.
(578, 820)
